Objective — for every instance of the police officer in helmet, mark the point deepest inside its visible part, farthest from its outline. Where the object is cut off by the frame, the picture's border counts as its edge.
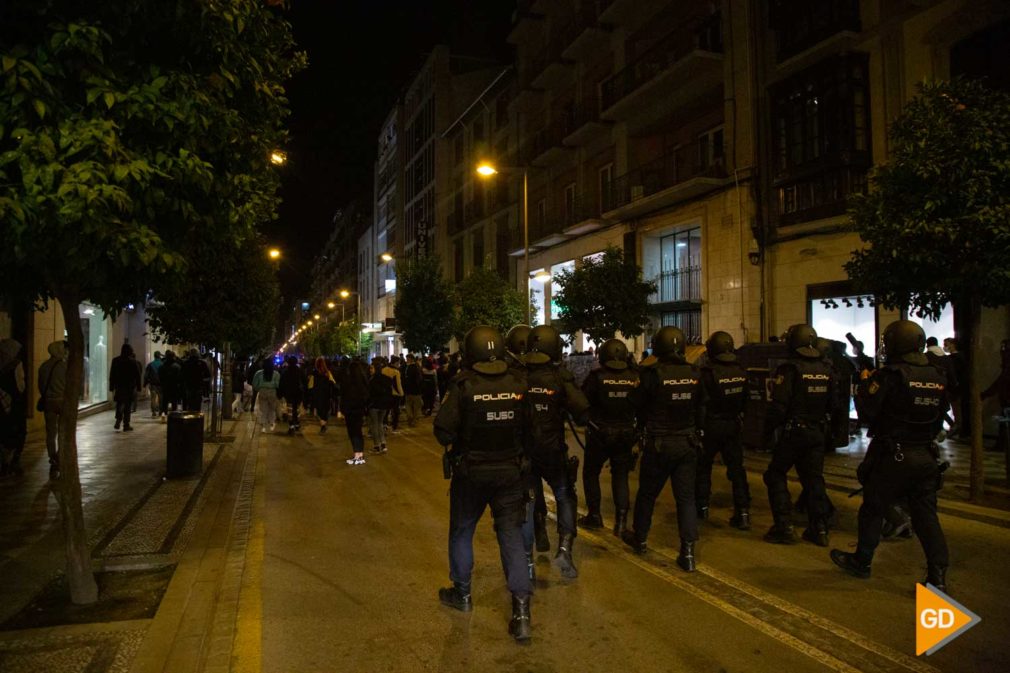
(801, 398)
(612, 435)
(515, 345)
(672, 404)
(482, 418)
(725, 383)
(905, 403)
(552, 393)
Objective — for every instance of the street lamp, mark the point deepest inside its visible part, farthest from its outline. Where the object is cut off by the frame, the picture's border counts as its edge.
(486, 170)
(278, 157)
(274, 253)
(386, 257)
(330, 305)
(344, 294)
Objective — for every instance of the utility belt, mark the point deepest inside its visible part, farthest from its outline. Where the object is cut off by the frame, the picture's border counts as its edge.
(653, 441)
(796, 424)
(466, 464)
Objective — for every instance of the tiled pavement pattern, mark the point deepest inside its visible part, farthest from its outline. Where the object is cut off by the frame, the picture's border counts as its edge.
(134, 519)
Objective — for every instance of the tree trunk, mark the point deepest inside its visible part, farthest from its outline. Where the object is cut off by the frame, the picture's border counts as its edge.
(977, 486)
(213, 401)
(226, 394)
(80, 575)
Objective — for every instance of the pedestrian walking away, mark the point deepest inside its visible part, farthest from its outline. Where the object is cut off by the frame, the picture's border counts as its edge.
(611, 437)
(551, 394)
(799, 409)
(321, 389)
(380, 400)
(725, 383)
(52, 378)
(292, 389)
(412, 380)
(195, 381)
(125, 383)
(153, 383)
(482, 420)
(266, 381)
(170, 375)
(672, 402)
(904, 402)
(354, 405)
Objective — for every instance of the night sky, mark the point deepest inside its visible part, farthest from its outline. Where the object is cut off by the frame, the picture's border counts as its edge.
(361, 55)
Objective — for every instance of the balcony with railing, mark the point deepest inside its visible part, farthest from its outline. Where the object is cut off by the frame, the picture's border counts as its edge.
(678, 285)
(663, 182)
(672, 73)
(582, 121)
(801, 24)
(549, 67)
(547, 146)
(585, 34)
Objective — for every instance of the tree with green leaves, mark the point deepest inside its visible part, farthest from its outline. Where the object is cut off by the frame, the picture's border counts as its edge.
(936, 219)
(484, 298)
(424, 305)
(604, 296)
(132, 133)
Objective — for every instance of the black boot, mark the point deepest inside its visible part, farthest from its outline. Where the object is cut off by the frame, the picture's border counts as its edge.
(631, 539)
(620, 522)
(937, 576)
(817, 534)
(540, 532)
(520, 627)
(781, 533)
(686, 558)
(851, 564)
(531, 567)
(592, 519)
(457, 596)
(563, 559)
(702, 512)
(740, 519)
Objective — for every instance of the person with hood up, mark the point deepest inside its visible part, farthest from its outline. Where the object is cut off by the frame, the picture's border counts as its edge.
(52, 380)
(13, 407)
(124, 382)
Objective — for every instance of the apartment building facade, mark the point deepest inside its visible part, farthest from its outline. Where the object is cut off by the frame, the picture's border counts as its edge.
(717, 143)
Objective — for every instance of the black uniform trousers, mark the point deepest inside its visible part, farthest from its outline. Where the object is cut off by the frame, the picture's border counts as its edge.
(672, 457)
(501, 487)
(616, 446)
(802, 447)
(722, 436)
(565, 499)
(889, 481)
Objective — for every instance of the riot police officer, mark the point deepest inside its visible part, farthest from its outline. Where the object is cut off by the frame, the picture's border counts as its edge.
(551, 393)
(515, 346)
(725, 383)
(801, 397)
(905, 403)
(611, 436)
(672, 403)
(482, 418)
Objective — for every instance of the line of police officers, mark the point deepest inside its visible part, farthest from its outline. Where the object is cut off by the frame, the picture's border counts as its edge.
(503, 423)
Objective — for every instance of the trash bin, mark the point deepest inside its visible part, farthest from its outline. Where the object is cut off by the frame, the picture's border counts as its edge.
(185, 444)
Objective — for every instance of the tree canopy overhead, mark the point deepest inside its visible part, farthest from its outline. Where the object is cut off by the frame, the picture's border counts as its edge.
(937, 216)
(424, 305)
(604, 296)
(485, 298)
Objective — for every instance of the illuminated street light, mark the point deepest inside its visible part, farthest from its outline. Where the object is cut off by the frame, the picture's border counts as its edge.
(486, 169)
(345, 294)
(274, 253)
(316, 316)
(542, 277)
(386, 257)
(330, 305)
(278, 157)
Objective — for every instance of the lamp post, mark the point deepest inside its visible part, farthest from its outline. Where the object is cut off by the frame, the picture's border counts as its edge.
(344, 294)
(486, 170)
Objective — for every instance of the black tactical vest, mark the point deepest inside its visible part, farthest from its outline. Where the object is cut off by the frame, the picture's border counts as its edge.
(726, 385)
(492, 413)
(913, 410)
(811, 391)
(671, 405)
(613, 404)
(546, 400)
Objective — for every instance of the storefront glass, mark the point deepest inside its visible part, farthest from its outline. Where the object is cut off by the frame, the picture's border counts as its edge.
(537, 298)
(96, 355)
(556, 271)
(834, 317)
(941, 328)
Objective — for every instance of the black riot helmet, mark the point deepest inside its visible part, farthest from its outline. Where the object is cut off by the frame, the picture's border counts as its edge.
(517, 339)
(823, 346)
(904, 341)
(668, 342)
(720, 347)
(543, 345)
(484, 350)
(801, 339)
(613, 354)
